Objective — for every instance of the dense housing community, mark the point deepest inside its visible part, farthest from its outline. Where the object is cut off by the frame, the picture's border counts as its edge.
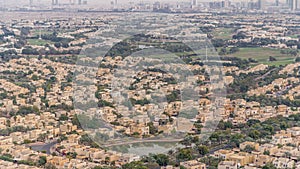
(237, 106)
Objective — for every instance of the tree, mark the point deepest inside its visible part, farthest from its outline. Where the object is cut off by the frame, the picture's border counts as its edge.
(266, 152)
(272, 59)
(107, 160)
(35, 77)
(50, 166)
(212, 162)
(187, 141)
(203, 150)
(269, 166)
(75, 121)
(218, 42)
(284, 125)
(42, 160)
(65, 44)
(223, 51)
(240, 35)
(254, 134)
(72, 155)
(63, 117)
(270, 129)
(287, 154)
(162, 159)
(233, 50)
(30, 51)
(225, 125)
(215, 137)
(184, 154)
(134, 165)
(57, 45)
(236, 139)
(294, 52)
(86, 140)
(42, 137)
(152, 128)
(249, 149)
(28, 110)
(100, 167)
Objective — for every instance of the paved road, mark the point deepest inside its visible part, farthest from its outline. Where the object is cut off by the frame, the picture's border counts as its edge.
(266, 74)
(43, 147)
(218, 148)
(144, 141)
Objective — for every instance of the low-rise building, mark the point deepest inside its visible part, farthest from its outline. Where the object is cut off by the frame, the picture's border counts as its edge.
(228, 165)
(193, 164)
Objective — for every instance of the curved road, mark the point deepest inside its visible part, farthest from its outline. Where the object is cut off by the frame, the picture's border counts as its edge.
(143, 141)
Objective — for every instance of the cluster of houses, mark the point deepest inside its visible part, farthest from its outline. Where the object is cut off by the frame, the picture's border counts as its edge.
(275, 87)
(283, 152)
(35, 126)
(135, 119)
(265, 27)
(11, 165)
(38, 73)
(257, 68)
(40, 27)
(94, 155)
(240, 111)
(46, 126)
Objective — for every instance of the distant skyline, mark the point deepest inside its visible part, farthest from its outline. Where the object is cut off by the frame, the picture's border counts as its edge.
(97, 3)
(17, 3)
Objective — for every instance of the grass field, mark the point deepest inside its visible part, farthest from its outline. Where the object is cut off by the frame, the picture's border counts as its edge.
(43, 32)
(294, 36)
(262, 55)
(259, 54)
(39, 42)
(223, 33)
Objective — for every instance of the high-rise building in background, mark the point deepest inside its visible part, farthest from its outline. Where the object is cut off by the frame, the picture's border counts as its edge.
(215, 5)
(287, 2)
(2, 5)
(297, 5)
(54, 2)
(225, 4)
(261, 4)
(156, 5)
(251, 5)
(194, 3)
(114, 4)
(292, 4)
(277, 2)
(71, 2)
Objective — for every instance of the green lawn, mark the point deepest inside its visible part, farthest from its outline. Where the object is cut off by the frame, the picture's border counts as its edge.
(39, 42)
(294, 36)
(280, 62)
(223, 33)
(262, 55)
(36, 32)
